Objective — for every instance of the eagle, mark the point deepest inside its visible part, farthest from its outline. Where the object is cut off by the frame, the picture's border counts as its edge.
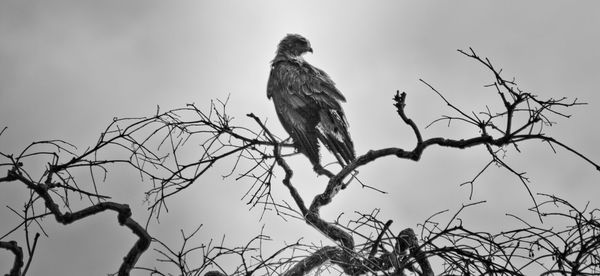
(308, 103)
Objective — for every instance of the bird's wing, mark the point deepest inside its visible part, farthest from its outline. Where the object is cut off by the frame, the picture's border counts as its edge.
(332, 128)
(305, 84)
(317, 85)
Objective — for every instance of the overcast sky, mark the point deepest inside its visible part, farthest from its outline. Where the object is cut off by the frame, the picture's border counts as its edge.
(68, 67)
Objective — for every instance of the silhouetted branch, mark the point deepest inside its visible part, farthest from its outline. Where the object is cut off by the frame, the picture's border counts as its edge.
(572, 250)
(124, 218)
(18, 252)
(204, 259)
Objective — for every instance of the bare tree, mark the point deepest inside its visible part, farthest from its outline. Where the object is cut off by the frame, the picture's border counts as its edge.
(156, 148)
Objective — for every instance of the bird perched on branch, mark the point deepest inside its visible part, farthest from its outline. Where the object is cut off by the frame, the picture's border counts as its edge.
(308, 103)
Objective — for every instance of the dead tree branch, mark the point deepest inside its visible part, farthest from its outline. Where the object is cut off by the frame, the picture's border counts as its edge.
(18, 252)
(124, 218)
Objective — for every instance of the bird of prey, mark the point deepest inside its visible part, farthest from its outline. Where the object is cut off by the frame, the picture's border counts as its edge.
(308, 103)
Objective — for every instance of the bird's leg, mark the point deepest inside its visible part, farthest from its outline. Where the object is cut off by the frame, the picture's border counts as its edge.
(287, 139)
(322, 171)
(354, 174)
(343, 164)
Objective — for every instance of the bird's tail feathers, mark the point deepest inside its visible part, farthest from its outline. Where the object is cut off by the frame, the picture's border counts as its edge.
(308, 145)
(333, 133)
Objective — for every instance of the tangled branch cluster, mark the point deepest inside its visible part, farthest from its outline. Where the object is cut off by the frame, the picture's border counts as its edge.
(569, 248)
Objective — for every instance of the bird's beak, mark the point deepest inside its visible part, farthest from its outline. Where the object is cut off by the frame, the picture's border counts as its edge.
(309, 49)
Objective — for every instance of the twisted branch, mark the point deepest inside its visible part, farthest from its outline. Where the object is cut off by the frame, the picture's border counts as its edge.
(124, 218)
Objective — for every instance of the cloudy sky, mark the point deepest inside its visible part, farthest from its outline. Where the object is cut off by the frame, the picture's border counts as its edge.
(68, 67)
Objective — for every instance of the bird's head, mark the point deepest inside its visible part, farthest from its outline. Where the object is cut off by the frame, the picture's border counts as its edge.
(294, 45)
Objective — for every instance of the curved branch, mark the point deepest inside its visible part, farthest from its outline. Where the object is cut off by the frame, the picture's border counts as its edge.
(124, 218)
(316, 259)
(13, 247)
